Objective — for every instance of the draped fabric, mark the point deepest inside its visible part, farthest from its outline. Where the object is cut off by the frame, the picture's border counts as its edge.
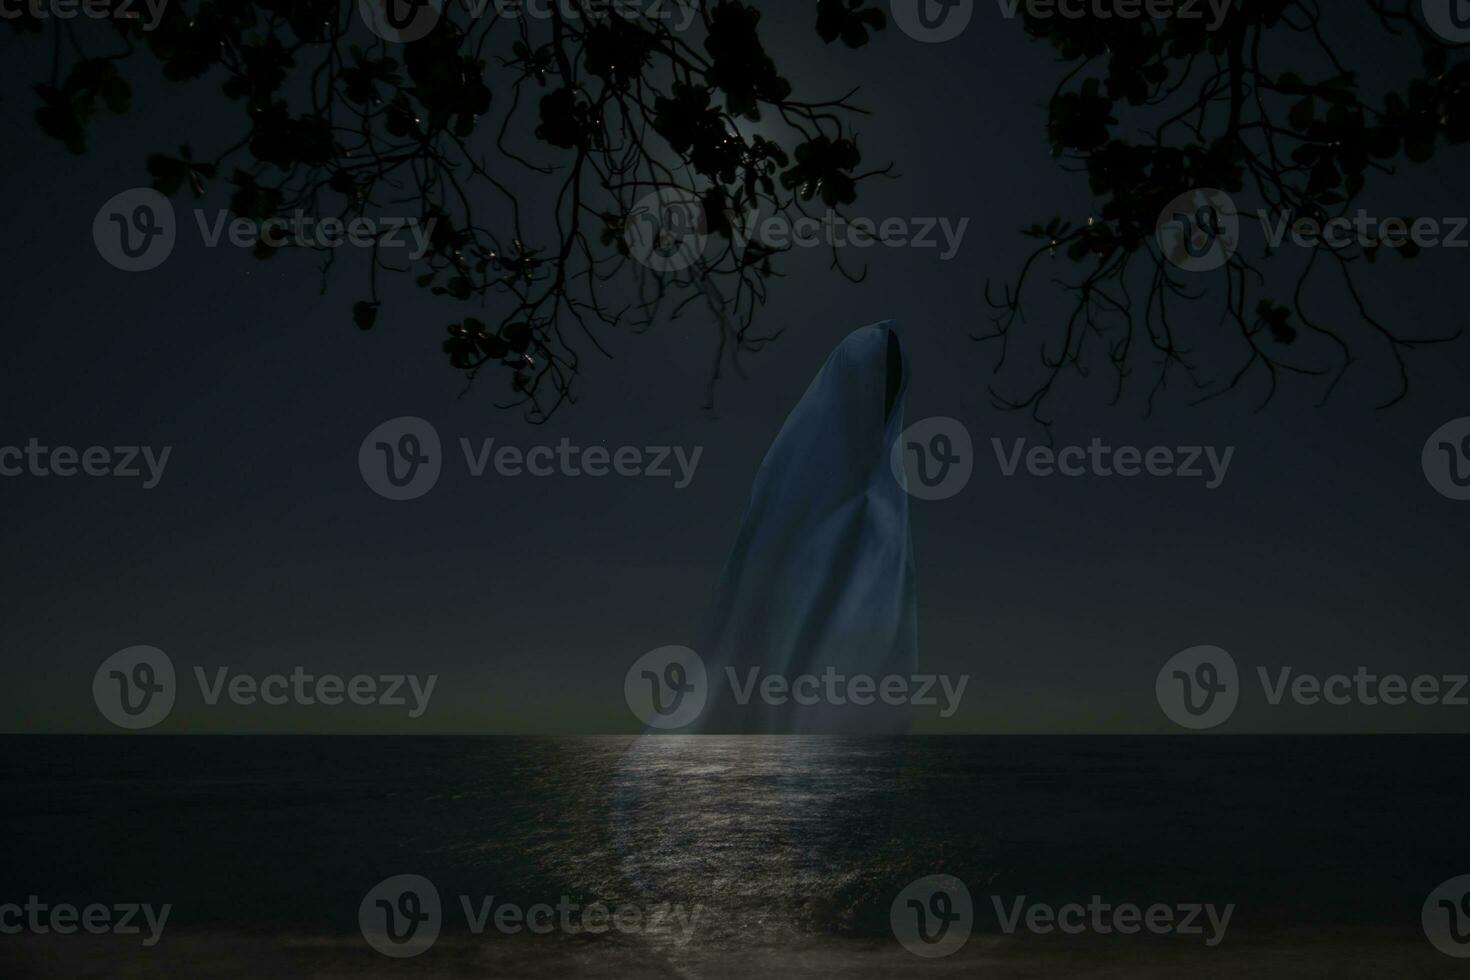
(820, 580)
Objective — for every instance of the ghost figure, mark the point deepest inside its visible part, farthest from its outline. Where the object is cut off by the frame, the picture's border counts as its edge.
(820, 581)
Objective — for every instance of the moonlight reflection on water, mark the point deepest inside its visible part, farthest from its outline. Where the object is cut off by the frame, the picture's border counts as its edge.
(772, 836)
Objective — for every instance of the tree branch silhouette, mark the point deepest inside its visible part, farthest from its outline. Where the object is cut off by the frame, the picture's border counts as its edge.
(612, 127)
(1234, 110)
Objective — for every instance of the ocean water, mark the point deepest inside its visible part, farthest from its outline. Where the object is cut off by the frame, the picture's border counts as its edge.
(741, 854)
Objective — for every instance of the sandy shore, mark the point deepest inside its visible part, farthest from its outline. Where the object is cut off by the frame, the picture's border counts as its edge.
(213, 954)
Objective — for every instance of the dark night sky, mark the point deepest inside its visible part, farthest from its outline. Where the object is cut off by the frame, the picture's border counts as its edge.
(1325, 549)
